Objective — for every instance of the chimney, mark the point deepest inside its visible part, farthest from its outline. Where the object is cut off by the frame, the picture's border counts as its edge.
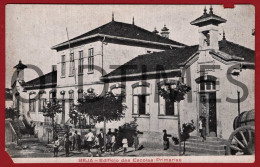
(165, 32)
(54, 68)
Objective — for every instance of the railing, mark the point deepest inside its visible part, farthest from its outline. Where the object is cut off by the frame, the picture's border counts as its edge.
(10, 133)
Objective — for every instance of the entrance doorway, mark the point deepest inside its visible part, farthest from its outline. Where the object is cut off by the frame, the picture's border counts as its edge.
(208, 110)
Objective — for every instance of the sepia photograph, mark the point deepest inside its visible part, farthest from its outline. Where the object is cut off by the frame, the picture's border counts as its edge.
(129, 83)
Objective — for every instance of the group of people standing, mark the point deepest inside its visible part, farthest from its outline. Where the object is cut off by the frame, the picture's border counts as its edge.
(114, 140)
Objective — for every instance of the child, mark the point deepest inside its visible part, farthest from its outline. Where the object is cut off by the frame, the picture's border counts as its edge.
(125, 144)
(136, 141)
(56, 146)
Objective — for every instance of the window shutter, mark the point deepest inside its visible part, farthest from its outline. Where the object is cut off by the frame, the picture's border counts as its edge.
(175, 108)
(147, 100)
(135, 101)
(162, 105)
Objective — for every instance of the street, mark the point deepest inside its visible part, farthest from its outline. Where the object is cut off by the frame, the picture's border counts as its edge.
(37, 150)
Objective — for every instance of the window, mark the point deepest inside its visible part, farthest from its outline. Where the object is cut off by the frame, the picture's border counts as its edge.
(32, 105)
(207, 85)
(63, 66)
(42, 103)
(141, 104)
(72, 67)
(169, 107)
(52, 95)
(81, 59)
(207, 37)
(141, 98)
(91, 59)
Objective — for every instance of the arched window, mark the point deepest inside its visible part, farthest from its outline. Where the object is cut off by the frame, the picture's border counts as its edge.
(141, 98)
(206, 83)
(117, 89)
(42, 101)
(167, 107)
(53, 95)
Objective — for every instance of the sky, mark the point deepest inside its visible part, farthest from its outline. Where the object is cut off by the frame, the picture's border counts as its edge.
(31, 30)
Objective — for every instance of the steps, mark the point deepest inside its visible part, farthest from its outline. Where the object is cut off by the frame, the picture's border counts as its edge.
(212, 145)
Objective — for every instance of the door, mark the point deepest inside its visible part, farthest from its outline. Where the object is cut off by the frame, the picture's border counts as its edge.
(212, 114)
(63, 112)
(208, 110)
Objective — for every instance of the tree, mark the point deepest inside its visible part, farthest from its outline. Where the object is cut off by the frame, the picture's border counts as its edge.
(174, 92)
(106, 108)
(50, 110)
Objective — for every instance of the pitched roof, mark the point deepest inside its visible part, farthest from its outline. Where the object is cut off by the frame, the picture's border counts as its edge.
(172, 59)
(49, 79)
(234, 49)
(166, 60)
(20, 65)
(125, 30)
(208, 18)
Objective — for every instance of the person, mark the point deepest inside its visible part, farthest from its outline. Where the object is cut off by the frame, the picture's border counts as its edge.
(78, 141)
(67, 145)
(119, 138)
(109, 131)
(89, 137)
(200, 127)
(71, 140)
(96, 143)
(203, 128)
(165, 140)
(56, 146)
(113, 142)
(136, 141)
(116, 140)
(108, 144)
(125, 144)
(101, 139)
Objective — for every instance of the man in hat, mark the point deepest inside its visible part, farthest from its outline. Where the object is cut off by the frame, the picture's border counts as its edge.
(165, 139)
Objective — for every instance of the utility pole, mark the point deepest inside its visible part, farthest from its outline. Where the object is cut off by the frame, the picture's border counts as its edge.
(179, 127)
(238, 102)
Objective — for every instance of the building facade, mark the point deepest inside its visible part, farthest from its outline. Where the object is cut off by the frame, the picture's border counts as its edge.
(216, 70)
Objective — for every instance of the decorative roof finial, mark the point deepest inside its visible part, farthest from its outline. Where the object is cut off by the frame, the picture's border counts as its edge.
(113, 16)
(155, 31)
(210, 10)
(133, 20)
(224, 37)
(205, 11)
